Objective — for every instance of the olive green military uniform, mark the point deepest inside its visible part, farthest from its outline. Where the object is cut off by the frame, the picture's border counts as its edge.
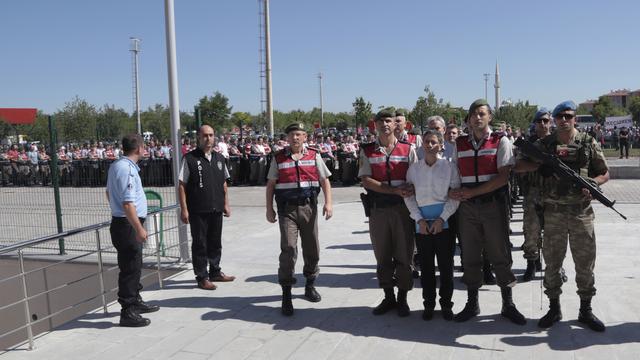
(532, 223)
(568, 215)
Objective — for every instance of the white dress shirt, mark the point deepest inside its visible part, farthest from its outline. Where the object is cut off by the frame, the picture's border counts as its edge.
(432, 185)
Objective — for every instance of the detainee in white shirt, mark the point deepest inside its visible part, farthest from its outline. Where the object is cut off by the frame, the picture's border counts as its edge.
(430, 207)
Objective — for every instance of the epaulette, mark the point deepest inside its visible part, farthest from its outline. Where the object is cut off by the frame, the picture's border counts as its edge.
(316, 149)
(369, 144)
(404, 142)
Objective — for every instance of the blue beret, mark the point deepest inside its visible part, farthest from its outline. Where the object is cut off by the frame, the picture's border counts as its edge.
(540, 113)
(563, 106)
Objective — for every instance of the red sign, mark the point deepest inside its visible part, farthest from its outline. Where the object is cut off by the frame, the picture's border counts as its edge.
(16, 116)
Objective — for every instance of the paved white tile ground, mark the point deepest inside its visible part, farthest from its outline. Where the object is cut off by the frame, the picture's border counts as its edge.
(242, 320)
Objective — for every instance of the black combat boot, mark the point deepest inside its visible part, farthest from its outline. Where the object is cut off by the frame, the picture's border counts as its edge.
(530, 272)
(403, 307)
(143, 307)
(553, 315)
(538, 264)
(489, 279)
(509, 309)
(471, 309)
(586, 316)
(310, 291)
(129, 317)
(287, 305)
(388, 303)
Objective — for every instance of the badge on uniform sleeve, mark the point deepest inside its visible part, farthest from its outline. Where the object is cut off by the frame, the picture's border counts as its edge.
(219, 165)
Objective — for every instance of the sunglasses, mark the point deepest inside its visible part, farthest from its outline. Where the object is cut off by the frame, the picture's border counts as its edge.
(565, 116)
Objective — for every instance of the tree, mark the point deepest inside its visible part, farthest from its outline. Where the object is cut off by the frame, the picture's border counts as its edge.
(76, 122)
(426, 106)
(215, 110)
(518, 115)
(362, 112)
(112, 123)
(604, 108)
(38, 131)
(156, 120)
(634, 108)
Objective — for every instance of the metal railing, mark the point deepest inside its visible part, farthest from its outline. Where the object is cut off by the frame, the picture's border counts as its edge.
(18, 251)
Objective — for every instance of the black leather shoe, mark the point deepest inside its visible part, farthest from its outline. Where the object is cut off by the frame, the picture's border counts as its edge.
(470, 310)
(130, 318)
(447, 314)
(144, 308)
(427, 314)
(511, 312)
(385, 306)
(287, 305)
(311, 294)
(403, 307)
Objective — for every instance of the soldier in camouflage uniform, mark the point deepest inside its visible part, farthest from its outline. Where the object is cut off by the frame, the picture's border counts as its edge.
(532, 203)
(568, 215)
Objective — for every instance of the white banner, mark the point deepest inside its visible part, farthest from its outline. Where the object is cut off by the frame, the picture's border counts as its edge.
(618, 122)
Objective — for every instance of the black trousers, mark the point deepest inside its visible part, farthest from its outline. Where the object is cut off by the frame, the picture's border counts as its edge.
(438, 246)
(624, 146)
(123, 237)
(206, 247)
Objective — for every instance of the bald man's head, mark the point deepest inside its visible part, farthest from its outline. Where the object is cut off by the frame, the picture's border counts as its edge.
(206, 138)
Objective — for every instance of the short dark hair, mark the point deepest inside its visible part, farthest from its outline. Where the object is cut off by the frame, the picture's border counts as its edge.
(131, 143)
(435, 133)
(452, 126)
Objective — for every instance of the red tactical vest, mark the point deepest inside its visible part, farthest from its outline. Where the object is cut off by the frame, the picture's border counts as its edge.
(411, 138)
(477, 166)
(393, 169)
(297, 179)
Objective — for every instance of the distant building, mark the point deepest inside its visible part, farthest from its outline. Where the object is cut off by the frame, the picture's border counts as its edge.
(588, 105)
(619, 97)
(634, 93)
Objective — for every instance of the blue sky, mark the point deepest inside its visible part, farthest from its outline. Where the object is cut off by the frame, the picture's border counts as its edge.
(385, 51)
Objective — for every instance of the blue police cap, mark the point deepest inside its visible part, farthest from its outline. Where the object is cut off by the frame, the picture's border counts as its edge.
(563, 106)
(540, 113)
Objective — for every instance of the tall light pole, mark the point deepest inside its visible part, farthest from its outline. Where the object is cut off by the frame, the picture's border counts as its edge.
(321, 101)
(174, 110)
(135, 49)
(267, 64)
(486, 79)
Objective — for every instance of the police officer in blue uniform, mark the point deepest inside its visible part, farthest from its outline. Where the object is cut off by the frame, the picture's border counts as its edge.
(129, 210)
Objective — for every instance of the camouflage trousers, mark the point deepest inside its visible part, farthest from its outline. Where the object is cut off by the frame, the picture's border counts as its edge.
(572, 224)
(532, 224)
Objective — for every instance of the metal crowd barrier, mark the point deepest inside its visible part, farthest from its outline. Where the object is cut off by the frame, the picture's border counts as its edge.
(17, 251)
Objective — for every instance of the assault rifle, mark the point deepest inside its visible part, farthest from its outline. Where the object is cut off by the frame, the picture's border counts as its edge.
(565, 172)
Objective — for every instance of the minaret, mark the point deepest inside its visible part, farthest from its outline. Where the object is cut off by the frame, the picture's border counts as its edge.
(496, 85)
